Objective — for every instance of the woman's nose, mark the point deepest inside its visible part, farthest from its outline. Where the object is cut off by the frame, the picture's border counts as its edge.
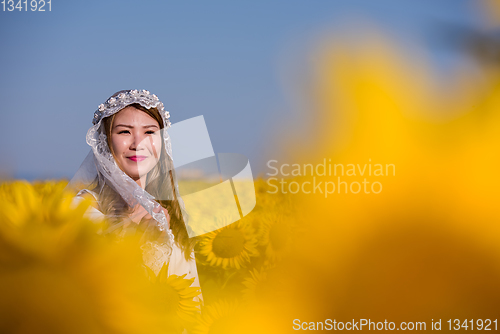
(138, 142)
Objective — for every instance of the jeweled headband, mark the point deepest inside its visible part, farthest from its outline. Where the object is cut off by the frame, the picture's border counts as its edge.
(142, 97)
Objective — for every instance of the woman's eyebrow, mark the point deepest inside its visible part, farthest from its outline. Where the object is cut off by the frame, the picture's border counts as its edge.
(130, 126)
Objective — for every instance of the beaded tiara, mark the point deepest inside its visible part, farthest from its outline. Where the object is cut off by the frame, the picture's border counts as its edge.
(125, 98)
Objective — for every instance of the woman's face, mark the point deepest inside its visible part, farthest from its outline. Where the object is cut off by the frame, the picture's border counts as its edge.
(136, 142)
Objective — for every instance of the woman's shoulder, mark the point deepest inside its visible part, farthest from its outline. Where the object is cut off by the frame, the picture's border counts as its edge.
(84, 193)
(93, 211)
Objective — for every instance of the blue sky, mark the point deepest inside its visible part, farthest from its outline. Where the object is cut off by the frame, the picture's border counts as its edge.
(224, 60)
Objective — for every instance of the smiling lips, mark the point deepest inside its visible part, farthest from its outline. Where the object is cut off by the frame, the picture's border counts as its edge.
(137, 157)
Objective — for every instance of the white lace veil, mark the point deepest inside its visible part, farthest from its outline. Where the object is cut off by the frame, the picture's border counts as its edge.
(101, 165)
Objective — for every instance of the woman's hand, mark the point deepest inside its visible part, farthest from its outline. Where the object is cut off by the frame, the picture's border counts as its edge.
(139, 214)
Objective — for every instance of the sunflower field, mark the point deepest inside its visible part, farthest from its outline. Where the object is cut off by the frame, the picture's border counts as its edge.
(58, 275)
(424, 248)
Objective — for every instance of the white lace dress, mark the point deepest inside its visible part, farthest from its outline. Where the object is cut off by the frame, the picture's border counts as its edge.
(154, 254)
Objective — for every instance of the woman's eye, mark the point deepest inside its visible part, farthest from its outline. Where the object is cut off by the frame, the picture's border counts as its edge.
(150, 132)
(123, 131)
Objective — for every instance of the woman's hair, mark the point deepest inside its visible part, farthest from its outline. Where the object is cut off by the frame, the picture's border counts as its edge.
(160, 183)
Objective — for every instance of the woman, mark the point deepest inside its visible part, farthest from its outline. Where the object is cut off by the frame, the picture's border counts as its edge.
(129, 174)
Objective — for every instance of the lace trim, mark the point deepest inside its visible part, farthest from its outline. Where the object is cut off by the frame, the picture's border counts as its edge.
(155, 254)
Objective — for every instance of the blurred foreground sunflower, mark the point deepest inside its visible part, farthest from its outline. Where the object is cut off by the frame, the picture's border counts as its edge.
(39, 220)
(176, 296)
(58, 276)
(427, 245)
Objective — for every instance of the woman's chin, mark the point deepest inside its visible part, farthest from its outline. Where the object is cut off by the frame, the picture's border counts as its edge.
(137, 171)
(134, 174)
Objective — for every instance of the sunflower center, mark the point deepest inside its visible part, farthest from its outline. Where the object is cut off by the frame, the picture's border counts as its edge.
(228, 243)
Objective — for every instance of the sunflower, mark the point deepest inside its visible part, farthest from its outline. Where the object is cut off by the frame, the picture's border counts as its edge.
(253, 283)
(175, 294)
(48, 188)
(230, 246)
(40, 220)
(218, 318)
(276, 235)
(58, 276)
(264, 285)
